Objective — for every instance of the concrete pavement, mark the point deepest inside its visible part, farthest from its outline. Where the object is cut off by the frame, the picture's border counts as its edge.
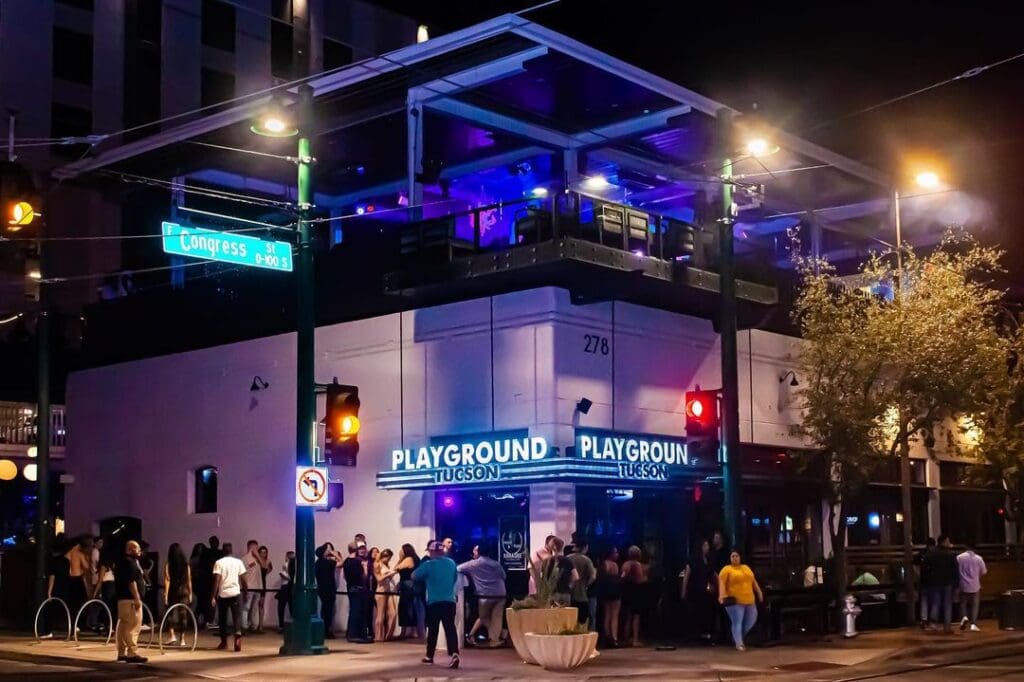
(834, 658)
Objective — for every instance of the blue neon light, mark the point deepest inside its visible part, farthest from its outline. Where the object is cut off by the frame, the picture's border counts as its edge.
(874, 521)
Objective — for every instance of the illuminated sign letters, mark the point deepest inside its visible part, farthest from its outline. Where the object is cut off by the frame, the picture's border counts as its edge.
(599, 457)
(638, 457)
(478, 460)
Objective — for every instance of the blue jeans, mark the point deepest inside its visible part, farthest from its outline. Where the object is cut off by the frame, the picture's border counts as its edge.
(941, 597)
(743, 617)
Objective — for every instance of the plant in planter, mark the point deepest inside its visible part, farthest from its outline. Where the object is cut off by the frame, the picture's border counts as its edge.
(568, 648)
(538, 613)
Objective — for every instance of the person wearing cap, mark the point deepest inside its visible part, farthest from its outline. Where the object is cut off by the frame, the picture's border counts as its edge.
(440, 575)
(130, 586)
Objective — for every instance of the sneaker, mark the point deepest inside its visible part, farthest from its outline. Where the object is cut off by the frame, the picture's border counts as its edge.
(122, 659)
(975, 628)
(963, 623)
(145, 628)
(136, 659)
(171, 642)
(740, 647)
(223, 645)
(454, 661)
(48, 635)
(427, 660)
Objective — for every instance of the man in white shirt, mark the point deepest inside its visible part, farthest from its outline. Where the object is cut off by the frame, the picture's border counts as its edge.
(251, 593)
(228, 583)
(971, 567)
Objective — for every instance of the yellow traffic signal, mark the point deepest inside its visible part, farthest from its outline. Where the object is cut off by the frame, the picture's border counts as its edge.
(19, 214)
(349, 426)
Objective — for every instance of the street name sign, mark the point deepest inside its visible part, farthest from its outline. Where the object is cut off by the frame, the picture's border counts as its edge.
(226, 247)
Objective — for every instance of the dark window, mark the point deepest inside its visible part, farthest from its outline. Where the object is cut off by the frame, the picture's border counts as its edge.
(281, 9)
(80, 4)
(206, 490)
(976, 517)
(219, 25)
(67, 121)
(72, 56)
(961, 475)
(142, 88)
(149, 21)
(280, 49)
(216, 87)
(336, 54)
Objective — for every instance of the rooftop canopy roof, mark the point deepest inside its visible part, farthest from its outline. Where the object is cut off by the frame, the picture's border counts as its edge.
(506, 108)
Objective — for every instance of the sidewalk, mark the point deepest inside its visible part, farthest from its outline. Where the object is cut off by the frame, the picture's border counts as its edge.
(400, 660)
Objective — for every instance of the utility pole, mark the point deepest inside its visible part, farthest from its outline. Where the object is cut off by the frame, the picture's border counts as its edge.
(306, 635)
(43, 525)
(730, 418)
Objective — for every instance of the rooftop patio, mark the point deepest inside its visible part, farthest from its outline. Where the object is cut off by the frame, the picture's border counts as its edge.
(505, 154)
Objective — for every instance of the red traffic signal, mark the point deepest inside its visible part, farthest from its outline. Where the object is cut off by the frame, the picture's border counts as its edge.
(341, 440)
(702, 414)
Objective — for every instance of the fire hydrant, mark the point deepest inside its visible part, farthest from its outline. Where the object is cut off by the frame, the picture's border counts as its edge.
(850, 613)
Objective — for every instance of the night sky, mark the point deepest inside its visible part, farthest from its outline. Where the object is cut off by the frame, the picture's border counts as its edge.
(803, 65)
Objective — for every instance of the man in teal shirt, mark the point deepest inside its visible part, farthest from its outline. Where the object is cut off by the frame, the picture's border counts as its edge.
(440, 574)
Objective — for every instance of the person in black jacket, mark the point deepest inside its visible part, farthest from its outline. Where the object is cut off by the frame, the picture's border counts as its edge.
(939, 577)
(929, 546)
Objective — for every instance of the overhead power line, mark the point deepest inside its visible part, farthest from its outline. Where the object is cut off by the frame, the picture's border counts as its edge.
(969, 73)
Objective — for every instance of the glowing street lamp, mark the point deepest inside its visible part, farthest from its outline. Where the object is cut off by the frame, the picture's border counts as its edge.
(759, 147)
(928, 180)
(274, 122)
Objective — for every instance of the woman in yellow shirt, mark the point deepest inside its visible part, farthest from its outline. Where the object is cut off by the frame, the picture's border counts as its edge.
(737, 590)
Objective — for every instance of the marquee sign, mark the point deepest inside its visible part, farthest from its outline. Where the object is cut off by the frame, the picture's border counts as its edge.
(598, 456)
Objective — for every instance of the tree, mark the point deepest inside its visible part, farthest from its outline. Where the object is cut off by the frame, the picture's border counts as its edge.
(841, 366)
(886, 369)
(995, 436)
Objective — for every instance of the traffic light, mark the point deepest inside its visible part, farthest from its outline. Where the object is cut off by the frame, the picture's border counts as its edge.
(702, 414)
(18, 197)
(341, 442)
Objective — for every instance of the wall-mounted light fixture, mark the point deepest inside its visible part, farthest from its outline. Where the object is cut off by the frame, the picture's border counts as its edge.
(793, 381)
(584, 405)
(258, 384)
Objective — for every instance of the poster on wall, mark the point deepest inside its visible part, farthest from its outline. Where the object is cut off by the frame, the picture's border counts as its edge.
(512, 546)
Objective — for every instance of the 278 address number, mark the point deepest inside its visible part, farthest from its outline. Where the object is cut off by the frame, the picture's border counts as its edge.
(594, 344)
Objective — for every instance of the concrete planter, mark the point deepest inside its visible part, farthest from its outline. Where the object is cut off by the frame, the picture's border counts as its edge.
(539, 621)
(562, 652)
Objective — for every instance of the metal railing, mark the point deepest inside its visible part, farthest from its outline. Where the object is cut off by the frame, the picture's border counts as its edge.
(18, 424)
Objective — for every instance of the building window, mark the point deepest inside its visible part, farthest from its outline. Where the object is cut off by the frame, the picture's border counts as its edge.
(336, 54)
(215, 87)
(280, 49)
(149, 21)
(281, 10)
(142, 89)
(80, 4)
(219, 25)
(206, 490)
(72, 56)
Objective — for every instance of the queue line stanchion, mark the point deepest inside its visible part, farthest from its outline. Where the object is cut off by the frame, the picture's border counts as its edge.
(110, 618)
(163, 621)
(67, 611)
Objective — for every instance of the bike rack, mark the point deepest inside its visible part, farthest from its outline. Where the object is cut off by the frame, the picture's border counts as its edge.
(67, 611)
(195, 626)
(110, 618)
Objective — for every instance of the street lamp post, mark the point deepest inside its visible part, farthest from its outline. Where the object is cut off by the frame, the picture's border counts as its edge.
(730, 441)
(306, 634)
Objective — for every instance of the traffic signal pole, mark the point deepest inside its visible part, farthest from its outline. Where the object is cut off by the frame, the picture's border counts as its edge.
(730, 417)
(43, 525)
(305, 636)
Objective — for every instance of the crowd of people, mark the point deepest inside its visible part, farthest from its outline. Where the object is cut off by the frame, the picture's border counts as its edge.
(406, 595)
